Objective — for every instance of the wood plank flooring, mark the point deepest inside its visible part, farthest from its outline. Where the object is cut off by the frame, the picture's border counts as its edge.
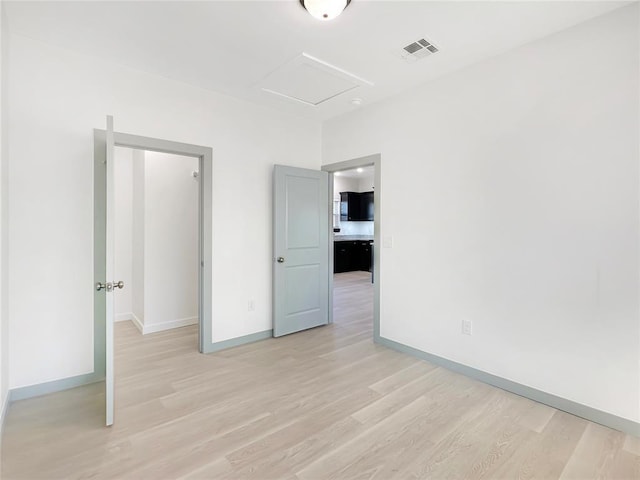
(322, 404)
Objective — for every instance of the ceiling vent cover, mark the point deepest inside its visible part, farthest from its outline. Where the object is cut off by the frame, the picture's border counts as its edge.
(418, 49)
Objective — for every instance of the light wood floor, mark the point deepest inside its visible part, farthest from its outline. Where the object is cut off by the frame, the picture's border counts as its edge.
(321, 404)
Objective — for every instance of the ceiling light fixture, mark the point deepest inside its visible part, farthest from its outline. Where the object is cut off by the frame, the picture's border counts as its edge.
(360, 170)
(325, 9)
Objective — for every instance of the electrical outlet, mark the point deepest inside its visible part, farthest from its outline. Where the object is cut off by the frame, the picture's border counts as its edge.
(251, 305)
(467, 327)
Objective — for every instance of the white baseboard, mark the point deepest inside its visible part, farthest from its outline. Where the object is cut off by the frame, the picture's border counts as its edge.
(159, 327)
(136, 321)
(123, 317)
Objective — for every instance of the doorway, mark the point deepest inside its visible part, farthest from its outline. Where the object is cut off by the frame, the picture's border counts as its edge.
(204, 156)
(156, 239)
(350, 285)
(106, 286)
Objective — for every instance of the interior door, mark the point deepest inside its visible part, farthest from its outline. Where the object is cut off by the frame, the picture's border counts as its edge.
(104, 248)
(301, 249)
(110, 242)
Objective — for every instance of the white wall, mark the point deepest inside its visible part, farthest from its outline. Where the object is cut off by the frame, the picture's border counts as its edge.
(171, 241)
(352, 184)
(355, 228)
(344, 184)
(123, 267)
(4, 182)
(365, 184)
(57, 98)
(520, 213)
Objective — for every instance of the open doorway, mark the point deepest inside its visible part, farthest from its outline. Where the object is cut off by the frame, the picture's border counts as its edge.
(104, 253)
(354, 255)
(156, 241)
(353, 225)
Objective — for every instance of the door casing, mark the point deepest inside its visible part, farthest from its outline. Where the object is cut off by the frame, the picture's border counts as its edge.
(376, 161)
(205, 231)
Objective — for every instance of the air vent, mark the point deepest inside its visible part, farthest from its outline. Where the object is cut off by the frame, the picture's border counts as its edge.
(418, 49)
(413, 48)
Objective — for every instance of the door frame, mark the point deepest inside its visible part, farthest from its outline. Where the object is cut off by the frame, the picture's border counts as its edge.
(376, 161)
(205, 229)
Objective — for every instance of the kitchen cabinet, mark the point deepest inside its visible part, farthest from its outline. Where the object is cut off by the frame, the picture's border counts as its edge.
(356, 206)
(363, 255)
(349, 206)
(343, 256)
(366, 206)
(352, 255)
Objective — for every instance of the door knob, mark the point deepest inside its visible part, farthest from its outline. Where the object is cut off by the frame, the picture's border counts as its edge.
(280, 259)
(109, 286)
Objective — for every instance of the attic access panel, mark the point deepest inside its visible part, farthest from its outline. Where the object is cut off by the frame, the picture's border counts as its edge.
(310, 81)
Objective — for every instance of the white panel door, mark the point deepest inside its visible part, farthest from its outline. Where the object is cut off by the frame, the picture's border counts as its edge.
(104, 252)
(301, 249)
(110, 244)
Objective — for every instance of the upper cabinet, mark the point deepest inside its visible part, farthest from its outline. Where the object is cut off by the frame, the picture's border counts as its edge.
(356, 206)
(367, 206)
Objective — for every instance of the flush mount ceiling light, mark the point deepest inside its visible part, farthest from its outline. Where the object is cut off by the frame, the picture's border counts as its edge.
(325, 9)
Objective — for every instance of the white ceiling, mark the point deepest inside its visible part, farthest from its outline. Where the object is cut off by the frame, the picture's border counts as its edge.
(232, 46)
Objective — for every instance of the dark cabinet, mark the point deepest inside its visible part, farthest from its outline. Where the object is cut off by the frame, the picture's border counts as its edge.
(356, 206)
(349, 256)
(366, 206)
(363, 251)
(343, 256)
(349, 206)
